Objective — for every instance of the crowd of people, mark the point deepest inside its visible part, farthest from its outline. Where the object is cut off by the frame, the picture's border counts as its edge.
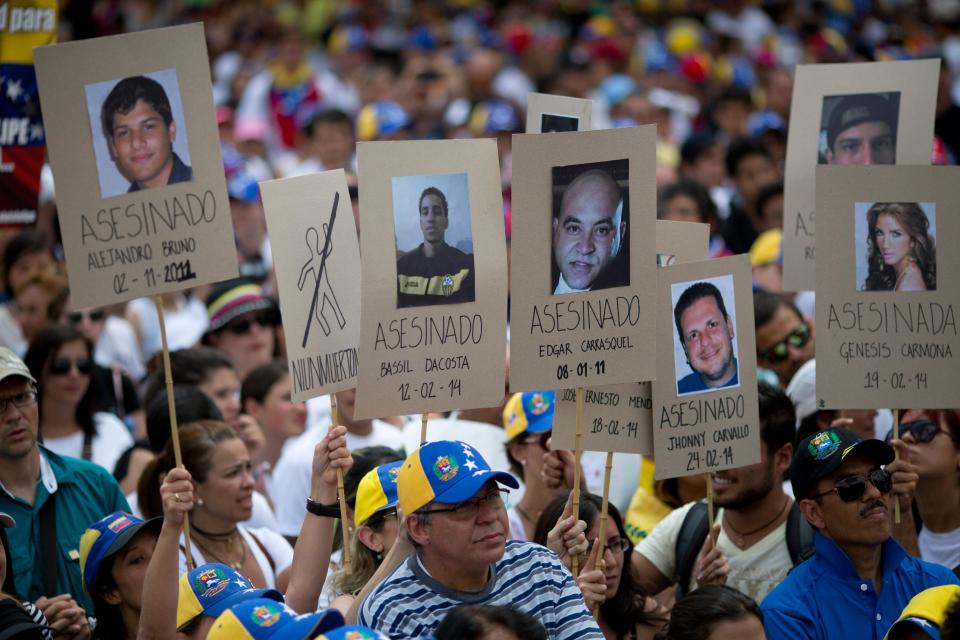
(472, 534)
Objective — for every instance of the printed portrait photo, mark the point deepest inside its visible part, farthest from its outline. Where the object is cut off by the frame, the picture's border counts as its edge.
(859, 129)
(591, 214)
(139, 132)
(704, 343)
(555, 122)
(434, 239)
(896, 246)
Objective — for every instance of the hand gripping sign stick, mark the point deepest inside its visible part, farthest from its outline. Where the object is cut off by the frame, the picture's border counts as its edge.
(602, 529)
(578, 451)
(174, 428)
(341, 496)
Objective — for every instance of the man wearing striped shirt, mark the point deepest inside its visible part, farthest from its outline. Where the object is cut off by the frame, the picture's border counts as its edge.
(456, 519)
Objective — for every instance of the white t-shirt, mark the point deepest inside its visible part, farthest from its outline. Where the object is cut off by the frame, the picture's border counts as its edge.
(289, 483)
(276, 545)
(754, 571)
(185, 324)
(109, 443)
(517, 532)
(117, 346)
(942, 548)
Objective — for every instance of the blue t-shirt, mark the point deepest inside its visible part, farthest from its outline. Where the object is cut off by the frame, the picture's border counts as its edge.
(692, 382)
(825, 599)
(85, 493)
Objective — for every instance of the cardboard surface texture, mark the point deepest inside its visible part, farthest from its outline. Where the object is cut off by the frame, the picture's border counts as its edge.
(548, 113)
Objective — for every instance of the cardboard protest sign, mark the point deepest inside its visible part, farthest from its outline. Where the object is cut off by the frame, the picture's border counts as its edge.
(886, 287)
(557, 114)
(433, 335)
(618, 417)
(313, 237)
(705, 415)
(865, 113)
(24, 24)
(135, 153)
(583, 259)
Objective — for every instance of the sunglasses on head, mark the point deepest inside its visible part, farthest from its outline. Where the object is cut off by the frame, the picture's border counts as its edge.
(797, 339)
(242, 327)
(61, 366)
(538, 438)
(76, 317)
(852, 488)
(921, 430)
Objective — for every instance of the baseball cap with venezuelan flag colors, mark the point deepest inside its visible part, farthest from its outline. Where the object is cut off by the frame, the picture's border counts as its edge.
(377, 491)
(263, 619)
(106, 537)
(353, 632)
(212, 588)
(446, 471)
(528, 412)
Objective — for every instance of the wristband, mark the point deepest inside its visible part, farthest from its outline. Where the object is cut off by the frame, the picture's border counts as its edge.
(323, 510)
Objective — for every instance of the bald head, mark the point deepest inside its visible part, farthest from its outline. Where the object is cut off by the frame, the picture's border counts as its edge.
(589, 230)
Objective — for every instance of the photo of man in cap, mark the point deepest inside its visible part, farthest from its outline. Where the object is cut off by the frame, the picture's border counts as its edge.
(860, 129)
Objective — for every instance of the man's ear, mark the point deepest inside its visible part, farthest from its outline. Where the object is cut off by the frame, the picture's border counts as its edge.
(111, 148)
(623, 231)
(783, 456)
(417, 530)
(172, 128)
(556, 223)
(730, 327)
(828, 154)
(812, 511)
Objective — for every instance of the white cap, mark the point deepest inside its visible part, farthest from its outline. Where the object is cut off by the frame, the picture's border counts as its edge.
(803, 390)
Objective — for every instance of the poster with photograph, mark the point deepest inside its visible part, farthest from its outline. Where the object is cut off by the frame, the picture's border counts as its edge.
(619, 417)
(705, 415)
(871, 113)
(434, 281)
(557, 114)
(886, 295)
(135, 153)
(313, 238)
(583, 259)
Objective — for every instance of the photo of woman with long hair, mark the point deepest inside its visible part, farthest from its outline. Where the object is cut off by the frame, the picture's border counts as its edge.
(902, 253)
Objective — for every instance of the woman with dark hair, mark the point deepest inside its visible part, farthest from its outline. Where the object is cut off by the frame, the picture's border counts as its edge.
(902, 255)
(61, 360)
(714, 612)
(26, 617)
(479, 622)
(626, 612)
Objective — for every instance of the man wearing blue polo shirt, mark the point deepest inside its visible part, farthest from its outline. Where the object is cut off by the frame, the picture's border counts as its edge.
(455, 517)
(860, 579)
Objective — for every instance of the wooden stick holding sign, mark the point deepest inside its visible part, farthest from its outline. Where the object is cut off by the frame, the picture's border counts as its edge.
(341, 495)
(710, 514)
(174, 428)
(896, 436)
(577, 452)
(602, 529)
(423, 427)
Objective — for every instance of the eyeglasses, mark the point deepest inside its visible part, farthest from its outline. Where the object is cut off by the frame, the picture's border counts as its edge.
(242, 327)
(22, 399)
(797, 339)
(76, 317)
(852, 488)
(61, 366)
(616, 545)
(538, 438)
(376, 520)
(921, 430)
(470, 508)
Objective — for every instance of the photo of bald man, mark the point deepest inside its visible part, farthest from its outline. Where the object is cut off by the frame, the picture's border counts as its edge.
(590, 219)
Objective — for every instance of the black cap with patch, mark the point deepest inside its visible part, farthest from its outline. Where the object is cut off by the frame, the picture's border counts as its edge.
(822, 453)
(854, 110)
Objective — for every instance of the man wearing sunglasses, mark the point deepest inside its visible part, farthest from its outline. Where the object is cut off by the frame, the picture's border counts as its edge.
(784, 337)
(860, 579)
(455, 516)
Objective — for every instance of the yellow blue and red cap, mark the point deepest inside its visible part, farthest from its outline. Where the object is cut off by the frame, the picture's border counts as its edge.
(353, 632)
(926, 611)
(263, 619)
(379, 119)
(446, 471)
(377, 491)
(212, 588)
(528, 412)
(106, 537)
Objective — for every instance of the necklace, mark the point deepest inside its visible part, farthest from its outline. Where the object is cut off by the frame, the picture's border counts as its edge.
(232, 539)
(742, 535)
(215, 536)
(524, 514)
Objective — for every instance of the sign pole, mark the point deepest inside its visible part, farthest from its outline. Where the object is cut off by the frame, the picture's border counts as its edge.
(578, 451)
(710, 514)
(896, 435)
(602, 530)
(174, 428)
(341, 496)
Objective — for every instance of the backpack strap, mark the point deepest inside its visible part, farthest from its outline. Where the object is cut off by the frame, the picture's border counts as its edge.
(273, 565)
(690, 539)
(800, 536)
(48, 544)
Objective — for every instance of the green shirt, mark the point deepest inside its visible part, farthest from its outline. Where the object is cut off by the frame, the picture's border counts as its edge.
(85, 493)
